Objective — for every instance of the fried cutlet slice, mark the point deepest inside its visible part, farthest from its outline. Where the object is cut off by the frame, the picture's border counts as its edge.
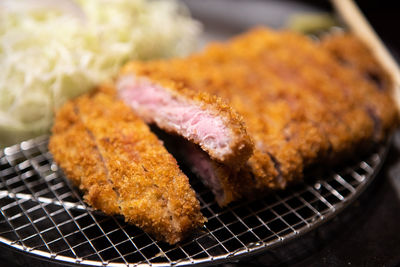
(300, 105)
(198, 116)
(123, 168)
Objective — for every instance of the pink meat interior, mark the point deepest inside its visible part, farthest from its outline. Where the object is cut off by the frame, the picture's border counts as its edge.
(156, 104)
(202, 166)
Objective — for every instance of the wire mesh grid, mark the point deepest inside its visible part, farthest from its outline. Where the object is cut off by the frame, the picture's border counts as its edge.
(43, 214)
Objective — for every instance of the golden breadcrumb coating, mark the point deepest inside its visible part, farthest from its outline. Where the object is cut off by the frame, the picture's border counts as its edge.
(299, 104)
(351, 52)
(123, 168)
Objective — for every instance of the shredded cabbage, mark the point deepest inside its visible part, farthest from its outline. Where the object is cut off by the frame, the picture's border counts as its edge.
(51, 51)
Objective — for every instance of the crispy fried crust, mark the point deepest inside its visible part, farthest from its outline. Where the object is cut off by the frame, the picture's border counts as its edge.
(350, 52)
(76, 152)
(123, 168)
(299, 103)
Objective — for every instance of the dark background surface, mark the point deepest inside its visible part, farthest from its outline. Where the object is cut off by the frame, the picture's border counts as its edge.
(368, 232)
(384, 16)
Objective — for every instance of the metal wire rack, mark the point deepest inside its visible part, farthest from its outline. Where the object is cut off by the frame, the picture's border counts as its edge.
(44, 215)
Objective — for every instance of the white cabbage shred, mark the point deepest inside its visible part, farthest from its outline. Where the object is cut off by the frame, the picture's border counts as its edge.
(51, 51)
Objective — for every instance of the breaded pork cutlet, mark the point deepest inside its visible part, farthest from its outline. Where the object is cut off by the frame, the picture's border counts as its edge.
(123, 168)
(300, 106)
(198, 116)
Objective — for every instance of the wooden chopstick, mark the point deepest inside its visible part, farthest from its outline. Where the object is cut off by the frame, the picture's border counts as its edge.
(359, 25)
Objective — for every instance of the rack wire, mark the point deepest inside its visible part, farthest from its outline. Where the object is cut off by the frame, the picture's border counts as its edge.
(42, 214)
